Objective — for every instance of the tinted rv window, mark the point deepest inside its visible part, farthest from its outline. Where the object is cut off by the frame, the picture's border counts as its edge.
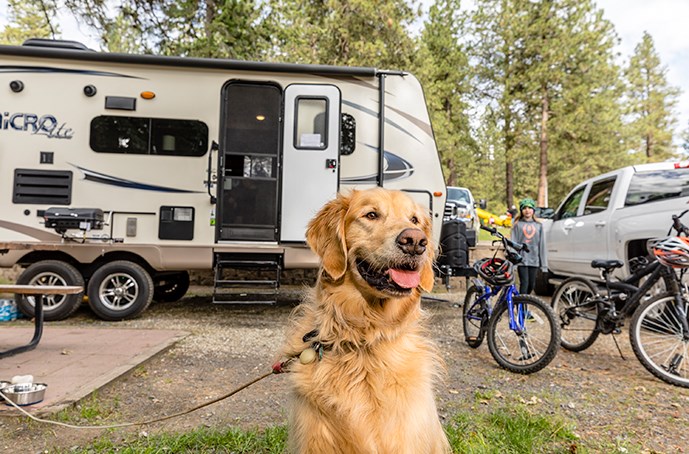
(348, 134)
(656, 185)
(132, 135)
(311, 123)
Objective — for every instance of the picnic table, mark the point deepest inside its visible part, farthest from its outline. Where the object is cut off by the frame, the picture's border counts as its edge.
(38, 292)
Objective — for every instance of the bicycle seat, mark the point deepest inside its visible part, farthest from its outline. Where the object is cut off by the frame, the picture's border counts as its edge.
(607, 265)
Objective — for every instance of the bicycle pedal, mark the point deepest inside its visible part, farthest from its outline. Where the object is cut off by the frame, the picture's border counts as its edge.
(471, 338)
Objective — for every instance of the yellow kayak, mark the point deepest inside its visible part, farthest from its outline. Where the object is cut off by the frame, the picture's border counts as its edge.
(488, 218)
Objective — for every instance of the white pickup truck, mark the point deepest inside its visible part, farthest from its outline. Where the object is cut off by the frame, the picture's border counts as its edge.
(612, 216)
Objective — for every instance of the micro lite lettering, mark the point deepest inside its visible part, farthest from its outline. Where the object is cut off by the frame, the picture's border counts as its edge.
(46, 125)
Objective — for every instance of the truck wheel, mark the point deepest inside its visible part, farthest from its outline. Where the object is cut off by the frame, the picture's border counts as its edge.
(51, 272)
(120, 290)
(542, 286)
(171, 287)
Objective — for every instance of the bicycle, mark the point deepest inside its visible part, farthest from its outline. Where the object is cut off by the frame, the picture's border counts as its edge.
(523, 333)
(659, 329)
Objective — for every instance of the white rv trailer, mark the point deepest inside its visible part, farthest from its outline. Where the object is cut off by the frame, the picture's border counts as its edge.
(123, 172)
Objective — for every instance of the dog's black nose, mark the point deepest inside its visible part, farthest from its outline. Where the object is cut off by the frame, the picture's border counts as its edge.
(412, 241)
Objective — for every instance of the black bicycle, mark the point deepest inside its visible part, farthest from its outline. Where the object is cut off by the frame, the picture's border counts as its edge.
(523, 333)
(659, 328)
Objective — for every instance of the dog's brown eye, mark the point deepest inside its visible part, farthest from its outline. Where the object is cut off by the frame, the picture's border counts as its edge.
(372, 215)
(414, 220)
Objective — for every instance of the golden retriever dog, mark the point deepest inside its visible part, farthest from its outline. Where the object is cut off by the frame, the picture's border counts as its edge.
(363, 370)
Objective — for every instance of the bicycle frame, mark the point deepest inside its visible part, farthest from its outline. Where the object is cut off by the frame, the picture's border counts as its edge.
(505, 295)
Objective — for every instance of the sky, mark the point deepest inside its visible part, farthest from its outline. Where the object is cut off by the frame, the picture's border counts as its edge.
(665, 20)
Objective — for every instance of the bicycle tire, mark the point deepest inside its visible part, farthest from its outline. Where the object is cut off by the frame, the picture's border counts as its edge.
(656, 335)
(534, 348)
(473, 329)
(577, 316)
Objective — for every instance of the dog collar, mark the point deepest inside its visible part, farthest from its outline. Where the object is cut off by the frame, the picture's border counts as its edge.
(315, 351)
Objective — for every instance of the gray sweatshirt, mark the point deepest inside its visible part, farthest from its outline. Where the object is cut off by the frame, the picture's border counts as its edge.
(531, 234)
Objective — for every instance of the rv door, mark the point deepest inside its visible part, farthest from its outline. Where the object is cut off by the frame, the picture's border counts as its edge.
(310, 173)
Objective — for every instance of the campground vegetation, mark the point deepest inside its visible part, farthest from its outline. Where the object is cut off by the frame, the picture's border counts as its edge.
(527, 97)
(506, 429)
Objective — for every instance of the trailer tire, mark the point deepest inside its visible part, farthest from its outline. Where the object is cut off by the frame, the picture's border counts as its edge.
(51, 272)
(543, 287)
(171, 287)
(120, 290)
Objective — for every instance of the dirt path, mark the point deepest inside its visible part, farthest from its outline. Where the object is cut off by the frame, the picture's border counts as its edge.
(611, 401)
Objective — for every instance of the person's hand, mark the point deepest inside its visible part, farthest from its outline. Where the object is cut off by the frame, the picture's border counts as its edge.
(544, 269)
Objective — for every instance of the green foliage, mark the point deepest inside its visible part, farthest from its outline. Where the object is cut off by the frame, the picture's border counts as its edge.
(28, 20)
(270, 441)
(442, 66)
(507, 429)
(525, 96)
(347, 32)
(649, 103)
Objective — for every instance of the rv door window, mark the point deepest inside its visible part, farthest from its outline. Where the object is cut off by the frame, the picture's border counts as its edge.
(133, 135)
(311, 123)
(348, 134)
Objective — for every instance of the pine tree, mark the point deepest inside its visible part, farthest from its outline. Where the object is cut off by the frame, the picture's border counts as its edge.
(373, 33)
(28, 20)
(650, 103)
(443, 69)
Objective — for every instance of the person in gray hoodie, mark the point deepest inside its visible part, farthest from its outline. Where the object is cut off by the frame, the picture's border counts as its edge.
(528, 229)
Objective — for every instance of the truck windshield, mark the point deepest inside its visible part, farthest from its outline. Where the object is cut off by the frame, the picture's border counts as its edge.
(657, 185)
(458, 194)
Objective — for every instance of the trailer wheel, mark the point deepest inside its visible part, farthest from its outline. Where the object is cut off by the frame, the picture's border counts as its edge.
(120, 290)
(543, 287)
(171, 287)
(51, 272)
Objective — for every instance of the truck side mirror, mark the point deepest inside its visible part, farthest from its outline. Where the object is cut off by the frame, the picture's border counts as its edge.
(482, 204)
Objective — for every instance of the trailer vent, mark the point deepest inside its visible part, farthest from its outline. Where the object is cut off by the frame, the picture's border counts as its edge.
(49, 187)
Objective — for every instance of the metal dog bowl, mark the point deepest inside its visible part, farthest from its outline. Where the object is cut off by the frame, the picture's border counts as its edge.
(25, 393)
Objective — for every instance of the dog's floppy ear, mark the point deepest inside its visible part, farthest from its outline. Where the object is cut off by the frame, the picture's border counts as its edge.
(326, 236)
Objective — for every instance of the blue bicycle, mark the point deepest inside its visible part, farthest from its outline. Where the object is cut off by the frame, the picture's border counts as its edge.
(523, 333)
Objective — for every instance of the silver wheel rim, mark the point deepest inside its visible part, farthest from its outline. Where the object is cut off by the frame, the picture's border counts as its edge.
(660, 341)
(48, 278)
(118, 291)
(579, 328)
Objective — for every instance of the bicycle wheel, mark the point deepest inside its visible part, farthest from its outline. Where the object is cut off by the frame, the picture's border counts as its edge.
(531, 348)
(659, 341)
(577, 313)
(472, 318)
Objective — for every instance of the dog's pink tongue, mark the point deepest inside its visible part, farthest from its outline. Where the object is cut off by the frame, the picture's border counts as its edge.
(405, 279)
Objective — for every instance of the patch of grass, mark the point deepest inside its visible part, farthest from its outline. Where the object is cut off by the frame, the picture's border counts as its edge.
(270, 441)
(507, 429)
(90, 410)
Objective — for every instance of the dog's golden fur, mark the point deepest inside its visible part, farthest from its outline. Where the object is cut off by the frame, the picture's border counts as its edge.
(372, 390)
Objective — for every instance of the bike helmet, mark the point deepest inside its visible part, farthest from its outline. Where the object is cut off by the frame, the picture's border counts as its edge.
(495, 271)
(672, 251)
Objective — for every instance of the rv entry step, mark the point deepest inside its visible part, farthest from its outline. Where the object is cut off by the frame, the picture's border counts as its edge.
(246, 278)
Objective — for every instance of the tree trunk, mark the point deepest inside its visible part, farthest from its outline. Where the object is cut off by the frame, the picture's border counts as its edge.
(509, 166)
(543, 167)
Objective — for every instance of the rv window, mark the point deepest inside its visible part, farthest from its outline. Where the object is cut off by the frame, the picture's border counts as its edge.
(311, 123)
(348, 137)
(131, 135)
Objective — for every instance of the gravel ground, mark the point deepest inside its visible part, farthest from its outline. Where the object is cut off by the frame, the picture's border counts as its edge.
(612, 403)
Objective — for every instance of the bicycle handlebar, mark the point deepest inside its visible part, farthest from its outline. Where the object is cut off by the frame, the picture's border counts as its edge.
(516, 246)
(677, 224)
